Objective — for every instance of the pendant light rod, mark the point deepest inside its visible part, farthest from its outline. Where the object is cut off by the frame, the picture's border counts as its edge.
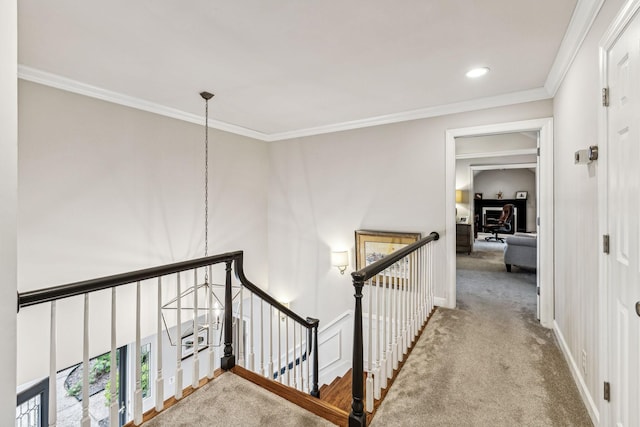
(206, 96)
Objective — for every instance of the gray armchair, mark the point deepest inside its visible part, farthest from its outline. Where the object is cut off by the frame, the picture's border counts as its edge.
(521, 251)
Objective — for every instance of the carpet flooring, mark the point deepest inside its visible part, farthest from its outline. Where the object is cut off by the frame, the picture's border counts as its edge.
(488, 362)
(233, 401)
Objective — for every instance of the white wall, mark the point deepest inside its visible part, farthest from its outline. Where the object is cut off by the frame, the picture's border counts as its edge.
(8, 206)
(106, 189)
(324, 187)
(577, 243)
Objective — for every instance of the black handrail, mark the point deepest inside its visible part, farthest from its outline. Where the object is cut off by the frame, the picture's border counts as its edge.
(53, 293)
(357, 416)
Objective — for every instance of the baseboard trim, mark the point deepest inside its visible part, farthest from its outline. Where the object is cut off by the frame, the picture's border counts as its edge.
(577, 376)
(440, 302)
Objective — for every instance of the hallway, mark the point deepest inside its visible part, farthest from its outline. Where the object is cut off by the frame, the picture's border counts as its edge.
(488, 362)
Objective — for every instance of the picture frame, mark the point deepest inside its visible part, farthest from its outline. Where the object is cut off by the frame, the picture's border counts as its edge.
(477, 196)
(374, 245)
(187, 342)
(521, 195)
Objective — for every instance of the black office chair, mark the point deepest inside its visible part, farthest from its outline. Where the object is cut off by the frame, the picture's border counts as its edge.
(503, 225)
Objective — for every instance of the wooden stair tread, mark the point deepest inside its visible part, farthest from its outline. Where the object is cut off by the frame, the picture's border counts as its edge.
(319, 407)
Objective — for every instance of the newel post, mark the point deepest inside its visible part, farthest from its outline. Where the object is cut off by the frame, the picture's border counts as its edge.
(228, 361)
(357, 416)
(315, 392)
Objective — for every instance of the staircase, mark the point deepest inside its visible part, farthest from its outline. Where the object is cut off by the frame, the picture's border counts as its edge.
(339, 392)
(397, 292)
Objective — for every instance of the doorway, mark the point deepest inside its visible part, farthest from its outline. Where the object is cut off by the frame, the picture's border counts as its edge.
(544, 129)
(494, 172)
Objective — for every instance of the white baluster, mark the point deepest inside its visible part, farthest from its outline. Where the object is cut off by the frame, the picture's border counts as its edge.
(286, 332)
(279, 347)
(414, 281)
(394, 316)
(377, 377)
(405, 320)
(53, 404)
(423, 294)
(86, 419)
(241, 330)
(307, 349)
(252, 356)
(295, 371)
(418, 290)
(301, 355)
(113, 374)
(430, 278)
(269, 373)
(369, 382)
(159, 378)
(211, 350)
(387, 329)
(178, 385)
(398, 319)
(262, 365)
(195, 377)
(137, 394)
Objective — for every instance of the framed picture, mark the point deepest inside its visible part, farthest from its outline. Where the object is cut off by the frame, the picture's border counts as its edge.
(477, 196)
(374, 245)
(521, 194)
(188, 343)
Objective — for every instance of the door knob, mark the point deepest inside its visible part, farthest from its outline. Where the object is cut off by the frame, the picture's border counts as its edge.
(638, 308)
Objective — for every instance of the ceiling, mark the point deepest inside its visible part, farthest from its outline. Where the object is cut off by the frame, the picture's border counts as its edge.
(286, 68)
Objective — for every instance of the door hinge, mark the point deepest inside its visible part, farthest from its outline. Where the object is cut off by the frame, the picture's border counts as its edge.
(538, 290)
(538, 151)
(605, 96)
(607, 391)
(605, 243)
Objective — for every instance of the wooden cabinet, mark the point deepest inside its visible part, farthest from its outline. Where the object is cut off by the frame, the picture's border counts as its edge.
(464, 241)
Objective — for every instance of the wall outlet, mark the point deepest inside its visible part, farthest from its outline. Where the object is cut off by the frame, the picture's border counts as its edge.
(584, 363)
(172, 380)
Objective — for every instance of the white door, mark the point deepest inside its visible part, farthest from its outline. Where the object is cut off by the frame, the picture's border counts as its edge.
(623, 261)
(538, 258)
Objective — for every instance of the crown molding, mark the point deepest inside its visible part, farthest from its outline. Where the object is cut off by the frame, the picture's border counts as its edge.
(59, 82)
(581, 21)
(53, 80)
(422, 113)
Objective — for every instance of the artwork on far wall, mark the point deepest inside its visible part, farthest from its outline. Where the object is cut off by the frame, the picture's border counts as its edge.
(188, 343)
(372, 246)
(521, 194)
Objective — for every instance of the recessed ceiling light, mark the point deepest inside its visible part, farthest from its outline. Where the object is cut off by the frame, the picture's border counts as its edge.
(477, 72)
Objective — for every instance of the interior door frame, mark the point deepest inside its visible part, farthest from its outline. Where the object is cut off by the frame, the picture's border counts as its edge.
(617, 26)
(545, 272)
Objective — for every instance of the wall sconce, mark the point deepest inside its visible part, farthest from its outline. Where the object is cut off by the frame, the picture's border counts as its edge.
(340, 260)
(283, 316)
(584, 157)
(458, 196)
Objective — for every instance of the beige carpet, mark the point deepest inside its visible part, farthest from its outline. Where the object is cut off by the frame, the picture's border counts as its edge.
(233, 401)
(488, 362)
